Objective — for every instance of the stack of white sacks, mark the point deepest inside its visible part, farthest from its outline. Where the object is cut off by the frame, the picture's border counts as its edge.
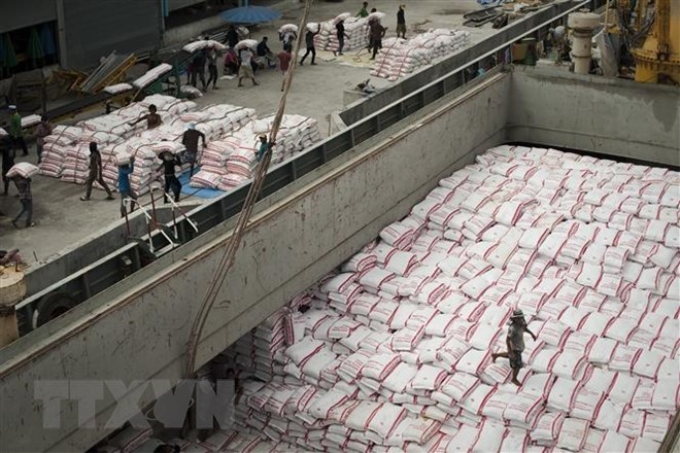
(231, 160)
(77, 157)
(145, 145)
(57, 146)
(394, 353)
(326, 29)
(219, 120)
(152, 75)
(118, 122)
(66, 153)
(400, 57)
(356, 29)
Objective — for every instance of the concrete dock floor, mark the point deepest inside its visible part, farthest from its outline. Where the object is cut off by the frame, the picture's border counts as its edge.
(63, 220)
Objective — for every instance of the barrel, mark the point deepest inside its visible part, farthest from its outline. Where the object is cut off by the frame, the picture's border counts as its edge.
(12, 291)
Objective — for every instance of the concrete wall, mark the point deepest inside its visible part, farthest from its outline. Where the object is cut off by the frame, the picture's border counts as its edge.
(609, 116)
(15, 15)
(95, 29)
(307, 231)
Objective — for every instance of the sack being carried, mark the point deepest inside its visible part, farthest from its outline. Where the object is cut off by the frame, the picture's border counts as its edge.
(23, 169)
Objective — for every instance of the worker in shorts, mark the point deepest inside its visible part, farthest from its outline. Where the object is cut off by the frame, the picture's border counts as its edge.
(124, 172)
(515, 343)
(285, 58)
(95, 174)
(401, 22)
(190, 140)
(246, 70)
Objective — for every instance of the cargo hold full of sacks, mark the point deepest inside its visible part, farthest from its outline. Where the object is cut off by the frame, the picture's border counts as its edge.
(66, 152)
(392, 351)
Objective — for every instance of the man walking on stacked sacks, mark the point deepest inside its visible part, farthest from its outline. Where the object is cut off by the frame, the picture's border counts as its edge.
(515, 343)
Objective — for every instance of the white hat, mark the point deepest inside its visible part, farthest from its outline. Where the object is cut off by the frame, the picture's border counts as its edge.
(12, 107)
(191, 126)
(517, 314)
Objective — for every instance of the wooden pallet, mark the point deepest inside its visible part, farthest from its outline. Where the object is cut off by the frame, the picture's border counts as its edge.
(118, 75)
(70, 78)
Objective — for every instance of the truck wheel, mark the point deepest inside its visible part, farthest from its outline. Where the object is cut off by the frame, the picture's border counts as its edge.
(50, 307)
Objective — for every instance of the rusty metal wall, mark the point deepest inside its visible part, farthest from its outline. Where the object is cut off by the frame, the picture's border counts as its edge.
(94, 29)
(15, 15)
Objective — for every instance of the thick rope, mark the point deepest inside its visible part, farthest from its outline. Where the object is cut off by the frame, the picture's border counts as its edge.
(234, 244)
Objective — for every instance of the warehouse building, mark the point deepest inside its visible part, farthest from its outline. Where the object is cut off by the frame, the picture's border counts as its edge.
(76, 33)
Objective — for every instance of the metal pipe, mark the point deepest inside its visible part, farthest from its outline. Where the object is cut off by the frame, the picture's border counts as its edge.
(61, 31)
(582, 25)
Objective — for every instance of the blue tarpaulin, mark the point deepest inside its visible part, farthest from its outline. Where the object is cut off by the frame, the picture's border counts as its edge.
(194, 191)
(250, 14)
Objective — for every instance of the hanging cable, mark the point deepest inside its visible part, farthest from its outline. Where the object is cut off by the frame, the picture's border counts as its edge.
(229, 256)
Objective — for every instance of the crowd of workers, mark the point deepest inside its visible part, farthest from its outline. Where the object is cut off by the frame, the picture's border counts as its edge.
(14, 140)
(243, 62)
(128, 198)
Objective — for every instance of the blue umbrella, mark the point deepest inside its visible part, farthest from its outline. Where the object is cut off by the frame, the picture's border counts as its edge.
(250, 14)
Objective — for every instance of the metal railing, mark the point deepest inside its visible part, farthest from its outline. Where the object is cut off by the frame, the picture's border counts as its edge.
(511, 33)
(133, 257)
